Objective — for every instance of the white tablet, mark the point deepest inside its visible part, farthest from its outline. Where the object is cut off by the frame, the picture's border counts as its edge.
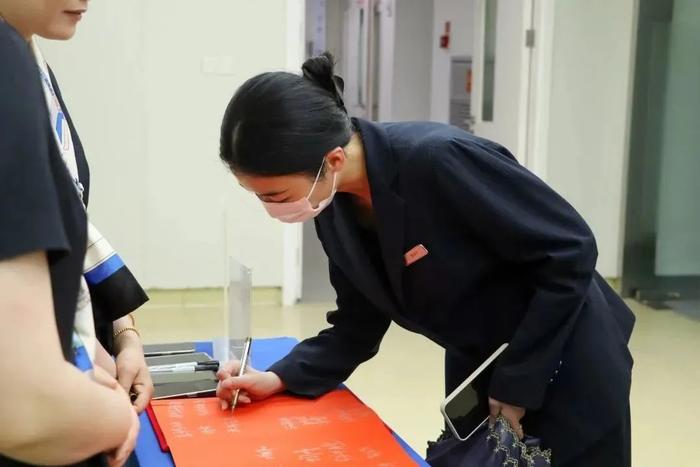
(461, 409)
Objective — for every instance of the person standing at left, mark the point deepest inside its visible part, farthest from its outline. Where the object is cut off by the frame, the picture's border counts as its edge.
(39, 148)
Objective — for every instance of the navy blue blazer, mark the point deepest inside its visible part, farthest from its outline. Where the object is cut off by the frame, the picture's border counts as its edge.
(509, 261)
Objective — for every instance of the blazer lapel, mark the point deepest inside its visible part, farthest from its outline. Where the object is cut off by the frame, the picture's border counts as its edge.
(343, 240)
(388, 205)
(343, 237)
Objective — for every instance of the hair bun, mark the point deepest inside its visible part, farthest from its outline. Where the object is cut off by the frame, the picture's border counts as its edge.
(319, 70)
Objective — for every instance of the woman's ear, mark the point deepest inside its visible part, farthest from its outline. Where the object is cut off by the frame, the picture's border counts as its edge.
(335, 159)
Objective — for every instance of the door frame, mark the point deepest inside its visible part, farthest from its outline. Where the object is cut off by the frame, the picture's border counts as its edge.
(540, 88)
(639, 234)
(535, 81)
(292, 234)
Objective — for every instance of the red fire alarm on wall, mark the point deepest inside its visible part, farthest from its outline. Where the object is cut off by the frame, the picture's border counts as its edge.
(445, 38)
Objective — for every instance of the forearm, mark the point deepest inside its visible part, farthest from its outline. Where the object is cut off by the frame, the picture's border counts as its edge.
(104, 360)
(320, 363)
(132, 370)
(127, 337)
(66, 421)
(51, 413)
(534, 355)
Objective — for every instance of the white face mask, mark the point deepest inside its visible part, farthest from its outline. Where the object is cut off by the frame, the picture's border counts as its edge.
(300, 210)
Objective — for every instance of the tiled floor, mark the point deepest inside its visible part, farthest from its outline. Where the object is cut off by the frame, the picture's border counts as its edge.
(404, 383)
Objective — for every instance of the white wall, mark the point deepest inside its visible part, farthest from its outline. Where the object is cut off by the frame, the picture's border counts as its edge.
(588, 121)
(101, 77)
(461, 15)
(412, 60)
(147, 84)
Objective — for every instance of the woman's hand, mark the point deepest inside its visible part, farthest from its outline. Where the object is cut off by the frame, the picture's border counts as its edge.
(120, 455)
(132, 370)
(254, 384)
(511, 413)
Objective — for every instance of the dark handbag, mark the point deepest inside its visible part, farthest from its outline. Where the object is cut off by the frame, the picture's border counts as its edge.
(496, 446)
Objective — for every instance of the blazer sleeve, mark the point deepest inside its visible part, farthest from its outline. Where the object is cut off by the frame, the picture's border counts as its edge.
(30, 212)
(523, 221)
(319, 364)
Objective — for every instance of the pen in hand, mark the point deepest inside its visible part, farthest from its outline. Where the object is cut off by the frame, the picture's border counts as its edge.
(241, 370)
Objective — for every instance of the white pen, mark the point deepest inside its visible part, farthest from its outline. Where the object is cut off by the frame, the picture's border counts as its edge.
(184, 369)
(187, 367)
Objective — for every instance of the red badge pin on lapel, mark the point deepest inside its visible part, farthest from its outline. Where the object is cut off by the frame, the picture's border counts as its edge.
(415, 253)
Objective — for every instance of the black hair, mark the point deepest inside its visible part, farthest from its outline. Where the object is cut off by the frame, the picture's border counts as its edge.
(282, 123)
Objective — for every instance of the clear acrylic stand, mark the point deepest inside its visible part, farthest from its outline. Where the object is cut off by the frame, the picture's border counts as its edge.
(236, 313)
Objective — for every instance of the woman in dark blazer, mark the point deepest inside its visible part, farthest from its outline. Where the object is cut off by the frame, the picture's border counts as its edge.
(52, 413)
(447, 235)
(44, 242)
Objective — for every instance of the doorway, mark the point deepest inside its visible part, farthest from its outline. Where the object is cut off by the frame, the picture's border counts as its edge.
(503, 63)
(661, 264)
